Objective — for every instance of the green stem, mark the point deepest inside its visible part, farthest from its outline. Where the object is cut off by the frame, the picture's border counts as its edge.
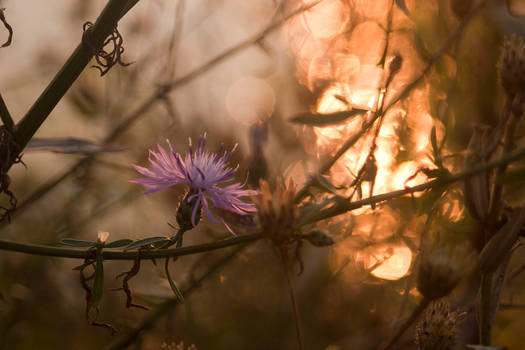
(125, 255)
(485, 309)
(67, 75)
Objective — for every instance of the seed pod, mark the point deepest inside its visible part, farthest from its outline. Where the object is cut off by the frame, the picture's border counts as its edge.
(500, 244)
(476, 191)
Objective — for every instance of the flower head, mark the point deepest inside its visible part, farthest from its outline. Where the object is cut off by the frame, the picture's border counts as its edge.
(202, 172)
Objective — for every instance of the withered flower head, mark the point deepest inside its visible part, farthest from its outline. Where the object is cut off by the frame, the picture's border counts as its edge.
(277, 211)
(440, 270)
(512, 66)
(437, 330)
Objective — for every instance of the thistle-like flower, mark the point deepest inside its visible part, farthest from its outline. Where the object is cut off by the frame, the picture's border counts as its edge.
(202, 172)
(437, 330)
(277, 211)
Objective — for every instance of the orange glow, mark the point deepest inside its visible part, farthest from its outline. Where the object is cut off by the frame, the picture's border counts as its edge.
(338, 58)
(392, 263)
(327, 19)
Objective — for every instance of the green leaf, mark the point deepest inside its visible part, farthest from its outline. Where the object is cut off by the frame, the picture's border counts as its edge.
(318, 119)
(77, 242)
(172, 284)
(119, 243)
(98, 283)
(145, 242)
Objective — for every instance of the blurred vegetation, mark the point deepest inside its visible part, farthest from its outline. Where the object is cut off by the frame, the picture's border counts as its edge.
(266, 82)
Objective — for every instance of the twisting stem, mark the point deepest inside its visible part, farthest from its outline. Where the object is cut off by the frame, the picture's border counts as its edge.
(284, 260)
(409, 321)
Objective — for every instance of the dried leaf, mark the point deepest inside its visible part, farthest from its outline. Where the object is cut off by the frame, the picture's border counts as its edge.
(499, 245)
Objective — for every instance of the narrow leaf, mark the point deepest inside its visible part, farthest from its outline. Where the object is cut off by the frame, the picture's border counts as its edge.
(145, 242)
(319, 119)
(119, 243)
(77, 242)
(69, 145)
(172, 283)
(98, 283)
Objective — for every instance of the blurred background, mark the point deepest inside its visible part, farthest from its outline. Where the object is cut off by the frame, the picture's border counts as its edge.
(327, 59)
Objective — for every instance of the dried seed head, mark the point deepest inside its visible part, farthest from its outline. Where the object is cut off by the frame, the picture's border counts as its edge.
(440, 270)
(277, 212)
(437, 331)
(512, 66)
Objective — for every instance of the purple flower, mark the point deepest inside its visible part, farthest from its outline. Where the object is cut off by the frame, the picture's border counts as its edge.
(202, 171)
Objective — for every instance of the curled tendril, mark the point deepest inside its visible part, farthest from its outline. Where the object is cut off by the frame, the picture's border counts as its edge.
(125, 285)
(8, 155)
(105, 59)
(8, 27)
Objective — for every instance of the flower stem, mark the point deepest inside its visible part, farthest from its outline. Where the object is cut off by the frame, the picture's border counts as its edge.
(284, 261)
(126, 255)
(5, 115)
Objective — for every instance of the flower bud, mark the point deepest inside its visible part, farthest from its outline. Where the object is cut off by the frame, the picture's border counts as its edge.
(188, 216)
(440, 270)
